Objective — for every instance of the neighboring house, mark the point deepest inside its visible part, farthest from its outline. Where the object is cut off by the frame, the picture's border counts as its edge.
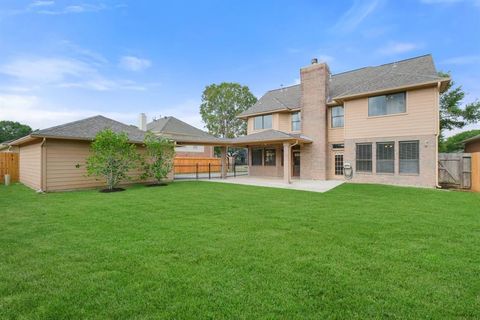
(173, 127)
(472, 144)
(54, 159)
(383, 121)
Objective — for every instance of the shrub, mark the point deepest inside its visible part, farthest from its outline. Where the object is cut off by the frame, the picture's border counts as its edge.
(112, 157)
(159, 156)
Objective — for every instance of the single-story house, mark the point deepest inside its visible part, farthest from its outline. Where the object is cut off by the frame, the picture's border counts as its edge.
(472, 144)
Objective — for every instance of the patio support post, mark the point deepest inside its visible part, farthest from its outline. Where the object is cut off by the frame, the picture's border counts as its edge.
(223, 157)
(287, 162)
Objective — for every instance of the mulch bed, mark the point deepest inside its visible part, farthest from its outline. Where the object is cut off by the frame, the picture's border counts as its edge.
(161, 184)
(112, 190)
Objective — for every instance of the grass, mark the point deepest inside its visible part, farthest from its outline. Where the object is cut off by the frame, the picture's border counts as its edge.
(211, 250)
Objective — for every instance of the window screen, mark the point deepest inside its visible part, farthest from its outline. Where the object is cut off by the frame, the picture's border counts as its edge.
(339, 164)
(256, 157)
(385, 157)
(337, 117)
(409, 157)
(262, 122)
(364, 157)
(387, 104)
(296, 121)
(270, 156)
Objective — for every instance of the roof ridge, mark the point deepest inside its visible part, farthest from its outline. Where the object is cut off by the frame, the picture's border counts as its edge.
(70, 123)
(282, 88)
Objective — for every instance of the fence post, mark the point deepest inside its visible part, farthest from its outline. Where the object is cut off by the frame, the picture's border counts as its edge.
(234, 169)
(196, 170)
(209, 166)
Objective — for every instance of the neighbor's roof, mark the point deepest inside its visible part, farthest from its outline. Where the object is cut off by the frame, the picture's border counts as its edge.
(475, 138)
(85, 129)
(399, 74)
(268, 136)
(182, 132)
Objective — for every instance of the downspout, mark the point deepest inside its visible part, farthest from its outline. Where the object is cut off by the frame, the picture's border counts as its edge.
(439, 85)
(43, 166)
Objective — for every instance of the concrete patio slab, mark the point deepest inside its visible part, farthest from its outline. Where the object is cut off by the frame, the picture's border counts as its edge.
(305, 185)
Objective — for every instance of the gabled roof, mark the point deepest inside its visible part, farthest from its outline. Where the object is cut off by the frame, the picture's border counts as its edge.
(180, 131)
(86, 129)
(475, 138)
(404, 73)
(269, 136)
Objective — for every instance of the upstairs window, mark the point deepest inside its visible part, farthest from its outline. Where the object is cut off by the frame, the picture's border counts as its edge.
(387, 104)
(296, 121)
(337, 117)
(262, 122)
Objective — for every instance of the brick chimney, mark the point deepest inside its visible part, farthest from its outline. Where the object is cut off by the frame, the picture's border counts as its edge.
(314, 80)
(142, 121)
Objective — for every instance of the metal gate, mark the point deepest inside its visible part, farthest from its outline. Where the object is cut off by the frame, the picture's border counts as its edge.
(455, 170)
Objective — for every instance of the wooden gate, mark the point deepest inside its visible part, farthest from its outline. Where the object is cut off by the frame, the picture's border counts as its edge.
(9, 165)
(455, 170)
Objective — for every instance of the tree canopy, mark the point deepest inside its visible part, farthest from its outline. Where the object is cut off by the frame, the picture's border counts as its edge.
(454, 143)
(452, 114)
(11, 130)
(221, 104)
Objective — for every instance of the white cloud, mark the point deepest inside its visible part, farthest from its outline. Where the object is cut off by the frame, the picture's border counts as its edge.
(355, 15)
(132, 63)
(65, 73)
(398, 47)
(461, 60)
(42, 3)
(72, 9)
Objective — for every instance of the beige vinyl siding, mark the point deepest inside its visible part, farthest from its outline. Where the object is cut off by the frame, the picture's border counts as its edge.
(31, 165)
(62, 158)
(421, 117)
(285, 122)
(336, 135)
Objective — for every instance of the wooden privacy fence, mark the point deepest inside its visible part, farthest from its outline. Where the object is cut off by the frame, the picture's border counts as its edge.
(200, 165)
(9, 165)
(455, 170)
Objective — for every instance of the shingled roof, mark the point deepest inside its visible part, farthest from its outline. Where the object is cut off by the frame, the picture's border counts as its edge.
(180, 131)
(86, 129)
(404, 73)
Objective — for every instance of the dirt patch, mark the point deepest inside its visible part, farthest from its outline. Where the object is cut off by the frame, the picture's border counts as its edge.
(112, 190)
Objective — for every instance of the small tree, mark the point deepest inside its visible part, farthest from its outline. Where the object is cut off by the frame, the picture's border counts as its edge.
(454, 143)
(159, 156)
(112, 156)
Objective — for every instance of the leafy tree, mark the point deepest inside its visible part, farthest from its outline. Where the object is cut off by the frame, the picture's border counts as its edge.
(160, 153)
(454, 143)
(112, 157)
(221, 104)
(10, 130)
(452, 115)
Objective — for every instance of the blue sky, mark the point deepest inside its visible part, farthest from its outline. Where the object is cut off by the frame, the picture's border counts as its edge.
(65, 60)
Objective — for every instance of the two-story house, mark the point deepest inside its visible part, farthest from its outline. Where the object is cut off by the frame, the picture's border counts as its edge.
(383, 121)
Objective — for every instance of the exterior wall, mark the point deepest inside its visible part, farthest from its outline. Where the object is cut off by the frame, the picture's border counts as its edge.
(421, 117)
(281, 121)
(314, 84)
(334, 135)
(267, 171)
(427, 176)
(285, 122)
(203, 152)
(473, 146)
(31, 165)
(65, 166)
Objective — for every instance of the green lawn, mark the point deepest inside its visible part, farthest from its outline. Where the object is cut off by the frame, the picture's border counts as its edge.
(211, 250)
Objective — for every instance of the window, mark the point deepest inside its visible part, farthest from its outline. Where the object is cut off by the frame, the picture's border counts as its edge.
(338, 146)
(385, 157)
(262, 122)
(270, 156)
(409, 156)
(337, 117)
(296, 121)
(364, 157)
(387, 104)
(256, 157)
(339, 164)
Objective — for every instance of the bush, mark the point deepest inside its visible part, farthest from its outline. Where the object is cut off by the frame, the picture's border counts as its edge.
(112, 157)
(159, 156)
